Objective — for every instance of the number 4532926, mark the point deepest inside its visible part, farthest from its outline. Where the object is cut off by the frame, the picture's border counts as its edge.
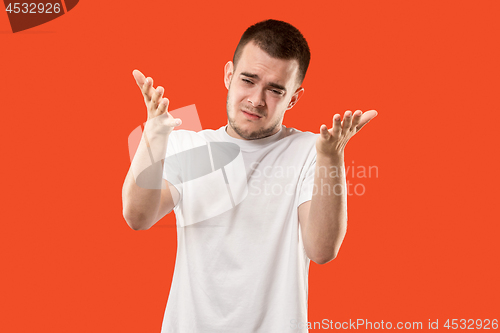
(471, 324)
(33, 8)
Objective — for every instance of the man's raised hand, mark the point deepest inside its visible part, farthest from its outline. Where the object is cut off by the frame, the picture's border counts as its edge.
(155, 103)
(331, 142)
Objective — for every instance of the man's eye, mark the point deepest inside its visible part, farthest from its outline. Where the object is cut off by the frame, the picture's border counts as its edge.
(277, 92)
(247, 81)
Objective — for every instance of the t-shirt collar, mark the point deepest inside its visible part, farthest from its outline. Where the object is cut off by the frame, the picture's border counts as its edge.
(252, 144)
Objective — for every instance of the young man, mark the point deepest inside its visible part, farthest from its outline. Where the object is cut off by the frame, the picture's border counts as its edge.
(255, 201)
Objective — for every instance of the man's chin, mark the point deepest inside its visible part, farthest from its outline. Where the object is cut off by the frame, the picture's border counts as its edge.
(244, 133)
(252, 133)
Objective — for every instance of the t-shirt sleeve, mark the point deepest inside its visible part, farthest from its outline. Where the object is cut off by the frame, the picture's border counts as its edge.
(171, 164)
(307, 183)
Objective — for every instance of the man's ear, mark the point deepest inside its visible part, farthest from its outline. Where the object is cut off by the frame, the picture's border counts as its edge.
(295, 98)
(228, 73)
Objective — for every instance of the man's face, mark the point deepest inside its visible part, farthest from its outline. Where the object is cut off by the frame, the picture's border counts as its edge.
(260, 90)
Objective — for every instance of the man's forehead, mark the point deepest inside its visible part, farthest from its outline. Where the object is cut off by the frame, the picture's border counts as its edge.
(255, 61)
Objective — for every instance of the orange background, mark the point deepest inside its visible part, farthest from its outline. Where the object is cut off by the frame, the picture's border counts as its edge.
(422, 240)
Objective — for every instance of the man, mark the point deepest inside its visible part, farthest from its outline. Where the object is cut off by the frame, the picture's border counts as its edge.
(244, 267)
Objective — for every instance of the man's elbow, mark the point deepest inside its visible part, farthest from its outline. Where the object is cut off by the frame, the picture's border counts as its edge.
(138, 226)
(321, 260)
(136, 222)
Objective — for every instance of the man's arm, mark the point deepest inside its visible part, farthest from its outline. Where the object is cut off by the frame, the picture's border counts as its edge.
(323, 220)
(146, 196)
(142, 208)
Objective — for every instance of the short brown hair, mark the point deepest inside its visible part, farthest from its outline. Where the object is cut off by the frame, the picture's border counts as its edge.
(278, 39)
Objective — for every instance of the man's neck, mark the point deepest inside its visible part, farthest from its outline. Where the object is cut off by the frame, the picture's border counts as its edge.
(231, 132)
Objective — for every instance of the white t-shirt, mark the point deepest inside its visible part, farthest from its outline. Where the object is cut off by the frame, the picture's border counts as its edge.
(241, 264)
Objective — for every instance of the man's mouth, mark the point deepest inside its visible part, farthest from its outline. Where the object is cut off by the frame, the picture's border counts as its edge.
(251, 115)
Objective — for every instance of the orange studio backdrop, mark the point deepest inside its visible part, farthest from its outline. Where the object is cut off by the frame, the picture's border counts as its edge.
(423, 227)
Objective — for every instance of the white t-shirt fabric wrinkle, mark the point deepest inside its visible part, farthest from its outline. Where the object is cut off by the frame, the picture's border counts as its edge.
(244, 268)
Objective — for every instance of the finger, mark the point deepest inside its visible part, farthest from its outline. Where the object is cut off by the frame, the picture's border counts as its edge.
(157, 95)
(356, 117)
(323, 130)
(139, 77)
(365, 118)
(346, 124)
(147, 89)
(163, 107)
(337, 126)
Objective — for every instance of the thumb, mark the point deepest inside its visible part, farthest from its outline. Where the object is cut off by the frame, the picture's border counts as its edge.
(323, 130)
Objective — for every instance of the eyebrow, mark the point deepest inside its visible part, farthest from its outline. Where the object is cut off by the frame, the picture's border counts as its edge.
(271, 84)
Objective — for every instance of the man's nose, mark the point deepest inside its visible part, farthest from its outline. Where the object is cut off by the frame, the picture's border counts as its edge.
(256, 98)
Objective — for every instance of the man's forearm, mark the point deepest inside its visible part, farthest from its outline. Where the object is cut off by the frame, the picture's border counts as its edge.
(141, 192)
(327, 222)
